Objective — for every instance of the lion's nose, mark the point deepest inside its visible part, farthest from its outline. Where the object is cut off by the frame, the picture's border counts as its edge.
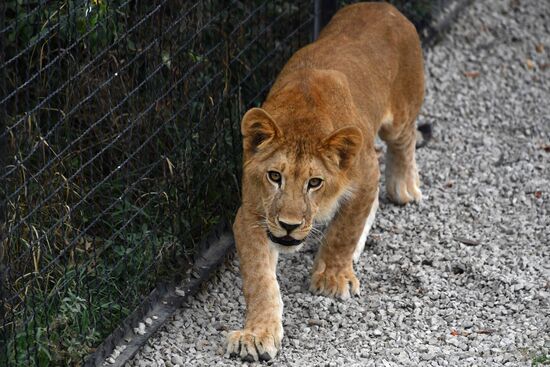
(289, 226)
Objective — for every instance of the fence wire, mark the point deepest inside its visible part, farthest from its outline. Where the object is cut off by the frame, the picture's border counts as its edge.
(119, 149)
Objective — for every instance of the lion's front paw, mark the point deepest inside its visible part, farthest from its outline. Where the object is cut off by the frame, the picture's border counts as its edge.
(254, 345)
(334, 281)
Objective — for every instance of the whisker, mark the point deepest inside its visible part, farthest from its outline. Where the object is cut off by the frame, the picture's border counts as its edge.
(316, 235)
(259, 224)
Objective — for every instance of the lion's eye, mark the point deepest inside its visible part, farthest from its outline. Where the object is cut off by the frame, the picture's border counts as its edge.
(274, 176)
(314, 183)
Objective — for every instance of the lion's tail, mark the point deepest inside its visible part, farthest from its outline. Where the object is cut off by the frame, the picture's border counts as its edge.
(424, 134)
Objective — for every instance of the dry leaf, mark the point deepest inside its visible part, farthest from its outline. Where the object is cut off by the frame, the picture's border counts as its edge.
(471, 74)
(466, 241)
(530, 64)
(539, 48)
(454, 332)
(485, 331)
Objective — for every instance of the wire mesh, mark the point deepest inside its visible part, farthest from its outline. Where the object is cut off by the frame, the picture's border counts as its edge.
(119, 149)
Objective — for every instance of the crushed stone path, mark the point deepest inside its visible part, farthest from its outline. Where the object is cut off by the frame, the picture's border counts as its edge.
(462, 279)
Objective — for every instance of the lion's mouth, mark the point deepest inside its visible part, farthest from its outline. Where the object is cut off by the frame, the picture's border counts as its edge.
(285, 240)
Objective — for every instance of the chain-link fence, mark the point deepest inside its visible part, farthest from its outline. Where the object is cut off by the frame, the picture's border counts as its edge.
(119, 149)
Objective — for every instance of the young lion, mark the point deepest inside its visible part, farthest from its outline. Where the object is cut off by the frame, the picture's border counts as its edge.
(309, 160)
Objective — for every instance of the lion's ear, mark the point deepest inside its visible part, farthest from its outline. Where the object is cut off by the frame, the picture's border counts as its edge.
(342, 146)
(258, 129)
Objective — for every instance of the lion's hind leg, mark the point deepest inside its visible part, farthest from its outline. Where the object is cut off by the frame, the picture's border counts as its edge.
(402, 180)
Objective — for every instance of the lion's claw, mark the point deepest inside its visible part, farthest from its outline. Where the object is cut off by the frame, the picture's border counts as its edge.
(252, 346)
(334, 282)
(265, 356)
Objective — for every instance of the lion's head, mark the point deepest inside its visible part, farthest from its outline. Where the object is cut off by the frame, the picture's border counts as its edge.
(297, 178)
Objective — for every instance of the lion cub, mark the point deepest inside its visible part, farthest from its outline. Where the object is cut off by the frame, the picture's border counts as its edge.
(309, 160)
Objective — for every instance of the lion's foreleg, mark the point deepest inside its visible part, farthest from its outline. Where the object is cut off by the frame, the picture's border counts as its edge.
(263, 331)
(333, 273)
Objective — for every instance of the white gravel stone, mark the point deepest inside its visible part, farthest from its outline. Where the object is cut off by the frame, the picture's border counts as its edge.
(140, 330)
(427, 298)
(176, 360)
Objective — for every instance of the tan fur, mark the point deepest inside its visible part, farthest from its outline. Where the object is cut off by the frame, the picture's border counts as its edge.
(362, 77)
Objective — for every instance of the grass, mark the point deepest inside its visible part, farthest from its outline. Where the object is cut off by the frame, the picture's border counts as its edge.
(541, 360)
(68, 310)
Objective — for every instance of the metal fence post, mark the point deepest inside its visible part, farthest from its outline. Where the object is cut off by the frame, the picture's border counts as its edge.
(3, 201)
(323, 11)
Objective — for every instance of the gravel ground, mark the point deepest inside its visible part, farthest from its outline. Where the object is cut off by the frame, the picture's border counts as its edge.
(464, 277)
